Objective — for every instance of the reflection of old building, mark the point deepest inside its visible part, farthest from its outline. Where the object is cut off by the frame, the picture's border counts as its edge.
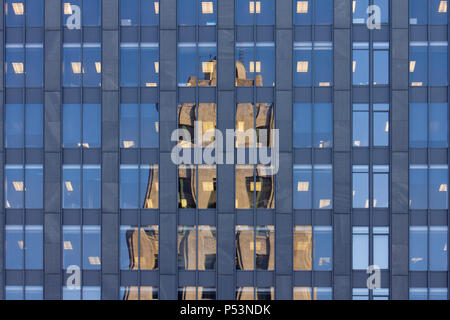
(251, 293)
(151, 195)
(193, 256)
(303, 248)
(251, 190)
(247, 253)
(146, 293)
(196, 293)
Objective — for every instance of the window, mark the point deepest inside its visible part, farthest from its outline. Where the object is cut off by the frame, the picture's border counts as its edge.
(89, 11)
(188, 9)
(361, 14)
(81, 293)
(428, 125)
(434, 11)
(315, 293)
(309, 12)
(196, 293)
(138, 293)
(139, 248)
(197, 186)
(378, 255)
(254, 187)
(81, 188)
(428, 63)
(24, 65)
(17, 293)
(313, 183)
(313, 248)
(313, 125)
(254, 125)
(81, 247)
(380, 60)
(365, 294)
(139, 64)
(204, 116)
(197, 64)
(380, 186)
(139, 12)
(24, 247)
(24, 126)
(428, 248)
(20, 13)
(428, 187)
(255, 64)
(139, 125)
(139, 186)
(23, 186)
(82, 125)
(255, 293)
(313, 63)
(260, 12)
(249, 255)
(196, 247)
(428, 293)
(82, 65)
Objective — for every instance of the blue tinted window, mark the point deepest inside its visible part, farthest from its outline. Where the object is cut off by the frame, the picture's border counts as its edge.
(380, 125)
(187, 12)
(15, 13)
(91, 293)
(34, 247)
(92, 12)
(34, 293)
(129, 12)
(322, 248)
(71, 187)
(418, 115)
(91, 187)
(14, 186)
(126, 234)
(14, 126)
(438, 125)
(323, 12)
(91, 125)
(14, 247)
(33, 126)
(34, 182)
(129, 125)
(438, 63)
(323, 65)
(149, 125)
(359, 11)
(255, 12)
(302, 64)
(360, 248)
(302, 186)
(34, 65)
(71, 126)
(384, 6)
(418, 181)
(438, 12)
(381, 247)
(323, 135)
(380, 67)
(88, 11)
(418, 64)
(129, 194)
(147, 56)
(361, 67)
(92, 67)
(322, 177)
(418, 12)
(71, 293)
(418, 294)
(438, 248)
(13, 293)
(196, 62)
(71, 247)
(418, 248)
(14, 66)
(302, 125)
(380, 186)
(360, 186)
(72, 65)
(360, 125)
(438, 293)
(91, 248)
(149, 12)
(302, 12)
(438, 176)
(149, 64)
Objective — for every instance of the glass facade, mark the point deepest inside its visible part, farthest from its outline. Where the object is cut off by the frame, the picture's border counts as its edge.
(232, 150)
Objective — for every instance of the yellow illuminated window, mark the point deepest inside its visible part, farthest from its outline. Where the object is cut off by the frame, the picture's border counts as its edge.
(255, 7)
(303, 186)
(156, 7)
(207, 67)
(302, 66)
(302, 6)
(18, 67)
(76, 67)
(18, 185)
(207, 7)
(208, 186)
(416, 84)
(323, 203)
(67, 8)
(258, 186)
(156, 66)
(18, 8)
(98, 67)
(253, 64)
(442, 7)
(354, 65)
(94, 260)
(68, 185)
(412, 66)
(68, 245)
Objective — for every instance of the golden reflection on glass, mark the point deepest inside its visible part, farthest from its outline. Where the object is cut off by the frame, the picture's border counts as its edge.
(206, 293)
(187, 293)
(186, 119)
(151, 196)
(245, 187)
(206, 186)
(187, 247)
(196, 293)
(245, 257)
(245, 134)
(241, 74)
(205, 114)
(207, 239)
(303, 248)
(131, 293)
(245, 293)
(148, 257)
(265, 248)
(149, 293)
(186, 186)
(264, 124)
(304, 293)
(265, 293)
(264, 187)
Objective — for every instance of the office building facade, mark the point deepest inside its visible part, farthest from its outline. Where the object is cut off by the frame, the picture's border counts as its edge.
(94, 204)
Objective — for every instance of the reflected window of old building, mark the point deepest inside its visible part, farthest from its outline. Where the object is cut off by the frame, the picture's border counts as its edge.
(255, 247)
(249, 12)
(197, 64)
(197, 247)
(138, 293)
(197, 186)
(315, 293)
(197, 12)
(139, 125)
(254, 187)
(196, 293)
(254, 125)
(139, 12)
(139, 186)
(139, 248)
(313, 248)
(203, 117)
(82, 247)
(139, 64)
(255, 64)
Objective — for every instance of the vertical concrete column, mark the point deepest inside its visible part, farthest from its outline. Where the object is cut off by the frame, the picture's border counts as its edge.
(168, 170)
(400, 144)
(342, 150)
(110, 149)
(284, 122)
(52, 151)
(226, 107)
